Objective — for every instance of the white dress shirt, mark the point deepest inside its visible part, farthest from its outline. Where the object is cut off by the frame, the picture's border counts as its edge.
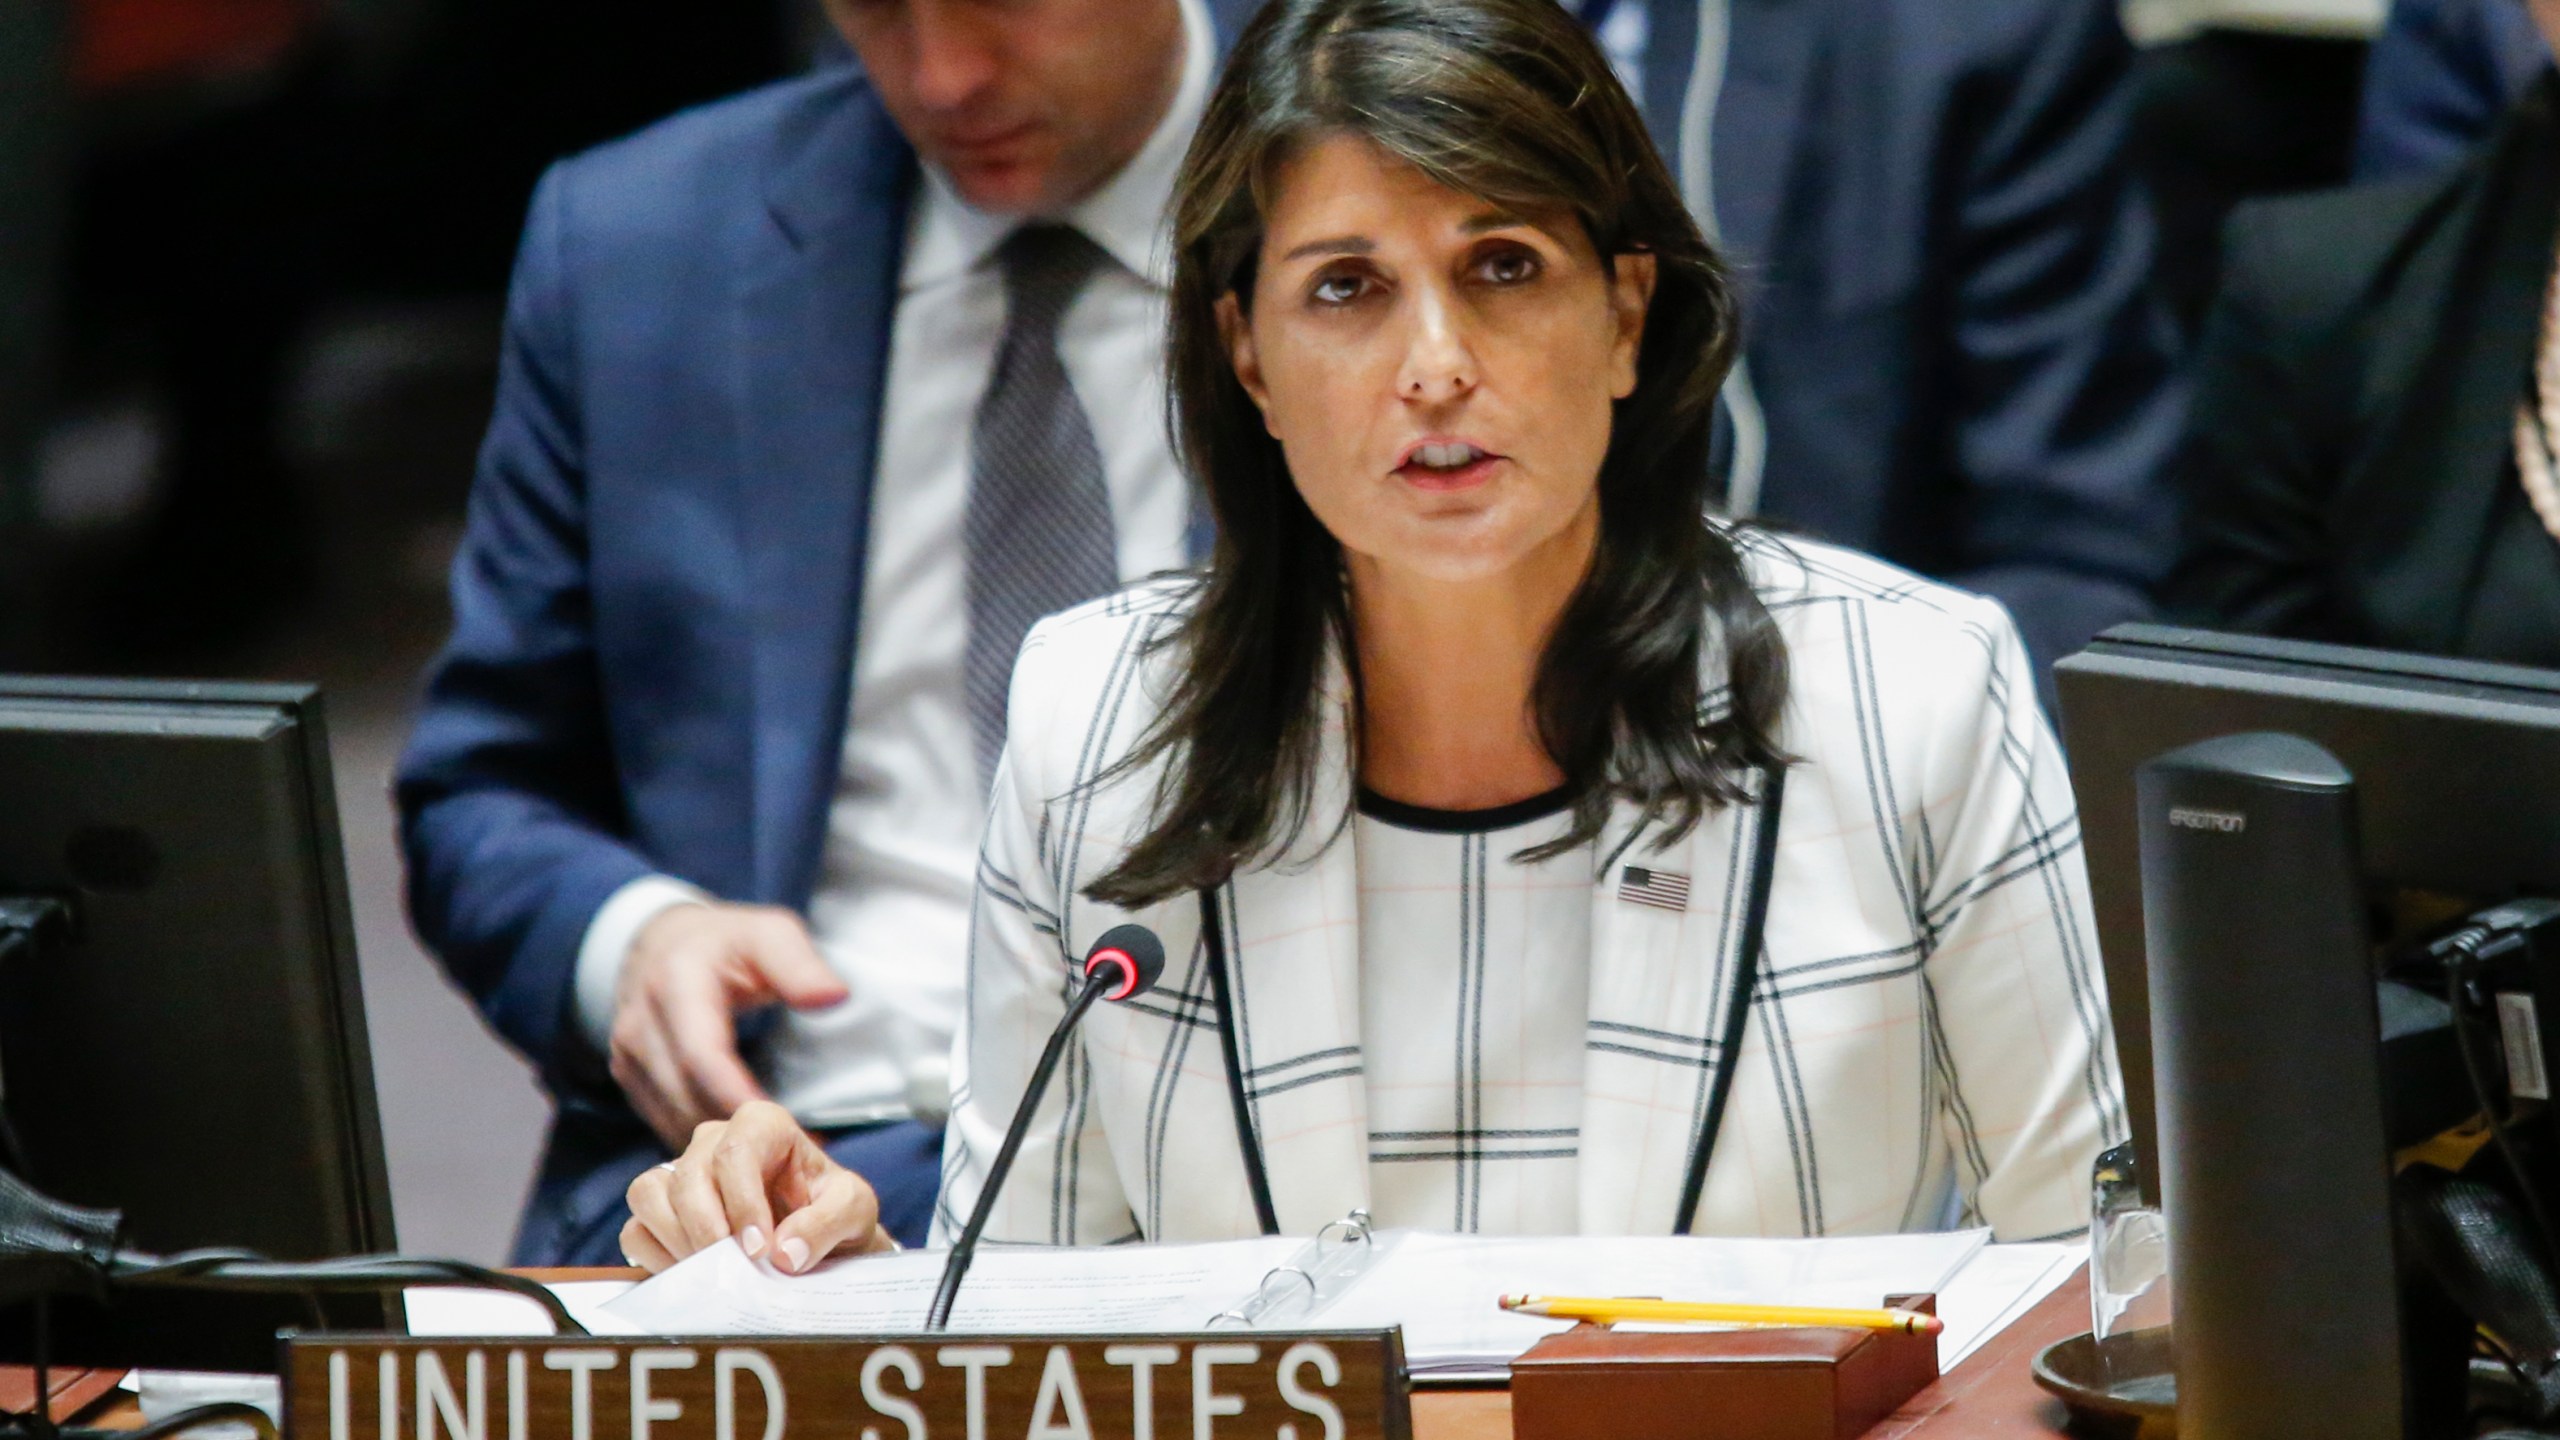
(891, 909)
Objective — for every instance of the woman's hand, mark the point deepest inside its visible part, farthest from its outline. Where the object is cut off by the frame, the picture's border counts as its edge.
(760, 1177)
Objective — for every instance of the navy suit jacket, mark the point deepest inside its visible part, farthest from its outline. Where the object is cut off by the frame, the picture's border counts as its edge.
(2441, 76)
(1946, 271)
(655, 600)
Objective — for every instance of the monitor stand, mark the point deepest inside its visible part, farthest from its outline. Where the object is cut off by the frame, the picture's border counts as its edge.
(2292, 1317)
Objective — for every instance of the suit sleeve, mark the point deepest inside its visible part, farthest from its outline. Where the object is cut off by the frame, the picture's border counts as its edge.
(2257, 477)
(2437, 80)
(1063, 1189)
(509, 806)
(2015, 1001)
(2064, 385)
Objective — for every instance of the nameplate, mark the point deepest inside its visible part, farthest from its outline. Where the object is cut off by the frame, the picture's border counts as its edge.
(1239, 1385)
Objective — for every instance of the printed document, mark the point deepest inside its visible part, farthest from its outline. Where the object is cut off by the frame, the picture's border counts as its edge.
(1441, 1289)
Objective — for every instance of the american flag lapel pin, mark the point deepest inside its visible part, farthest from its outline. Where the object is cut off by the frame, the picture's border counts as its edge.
(1662, 889)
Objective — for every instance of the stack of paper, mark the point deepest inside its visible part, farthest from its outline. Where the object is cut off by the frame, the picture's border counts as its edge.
(1996, 1288)
(1440, 1288)
(458, 1311)
(1121, 1289)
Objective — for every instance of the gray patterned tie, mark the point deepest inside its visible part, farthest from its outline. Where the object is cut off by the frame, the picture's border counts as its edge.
(1039, 529)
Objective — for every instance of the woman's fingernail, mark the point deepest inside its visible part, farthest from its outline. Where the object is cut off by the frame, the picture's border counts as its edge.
(751, 1240)
(795, 1254)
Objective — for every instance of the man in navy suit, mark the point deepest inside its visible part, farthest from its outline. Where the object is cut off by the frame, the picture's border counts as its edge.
(810, 400)
(1954, 355)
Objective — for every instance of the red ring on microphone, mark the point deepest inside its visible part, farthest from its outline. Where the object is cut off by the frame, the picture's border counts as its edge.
(1118, 960)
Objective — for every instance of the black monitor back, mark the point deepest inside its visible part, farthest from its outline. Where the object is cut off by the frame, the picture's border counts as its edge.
(2456, 765)
(195, 1054)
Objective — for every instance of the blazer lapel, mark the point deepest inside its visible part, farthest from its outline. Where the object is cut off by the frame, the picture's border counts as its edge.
(1660, 981)
(816, 304)
(2417, 515)
(1295, 936)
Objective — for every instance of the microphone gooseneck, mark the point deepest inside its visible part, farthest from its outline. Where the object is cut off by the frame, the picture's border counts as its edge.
(1125, 963)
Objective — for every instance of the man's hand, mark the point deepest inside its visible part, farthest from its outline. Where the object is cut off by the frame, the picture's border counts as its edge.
(692, 969)
(758, 1177)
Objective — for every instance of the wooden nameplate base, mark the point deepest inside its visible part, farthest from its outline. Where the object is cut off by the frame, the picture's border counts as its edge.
(1771, 1384)
(1341, 1385)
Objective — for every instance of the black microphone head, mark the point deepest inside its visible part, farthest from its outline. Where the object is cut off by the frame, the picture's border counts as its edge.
(1133, 951)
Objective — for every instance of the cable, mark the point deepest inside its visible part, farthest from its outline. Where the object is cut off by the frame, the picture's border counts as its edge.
(49, 1248)
(247, 1271)
(218, 1412)
(44, 1425)
(223, 1412)
(39, 1421)
(2461, 952)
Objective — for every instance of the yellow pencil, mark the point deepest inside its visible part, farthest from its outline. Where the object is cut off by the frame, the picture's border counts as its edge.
(1610, 1312)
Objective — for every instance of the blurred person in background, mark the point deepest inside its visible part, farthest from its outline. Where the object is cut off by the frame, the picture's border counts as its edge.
(2375, 457)
(2240, 98)
(30, 217)
(810, 403)
(2443, 73)
(1954, 356)
(241, 164)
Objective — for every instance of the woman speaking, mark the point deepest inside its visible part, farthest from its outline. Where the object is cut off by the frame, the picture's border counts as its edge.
(1535, 853)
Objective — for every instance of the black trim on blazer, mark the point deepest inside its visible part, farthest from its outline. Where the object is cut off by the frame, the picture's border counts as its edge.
(1257, 1176)
(1737, 1005)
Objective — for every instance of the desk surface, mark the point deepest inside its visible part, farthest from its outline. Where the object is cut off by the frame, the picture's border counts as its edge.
(1990, 1394)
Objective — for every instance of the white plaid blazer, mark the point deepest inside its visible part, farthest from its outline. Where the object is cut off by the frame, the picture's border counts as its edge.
(1930, 1009)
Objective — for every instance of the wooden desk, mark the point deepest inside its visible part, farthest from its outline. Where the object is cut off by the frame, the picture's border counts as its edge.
(1990, 1394)
(1994, 1392)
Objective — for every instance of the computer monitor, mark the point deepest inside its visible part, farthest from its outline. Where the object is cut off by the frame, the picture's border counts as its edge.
(2272, 828)
(192, 1051)
(2456, 766)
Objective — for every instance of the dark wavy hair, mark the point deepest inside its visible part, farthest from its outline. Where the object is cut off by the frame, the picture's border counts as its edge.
(1510, 101)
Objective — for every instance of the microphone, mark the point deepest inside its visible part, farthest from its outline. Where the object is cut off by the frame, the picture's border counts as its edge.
(1125, 963)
